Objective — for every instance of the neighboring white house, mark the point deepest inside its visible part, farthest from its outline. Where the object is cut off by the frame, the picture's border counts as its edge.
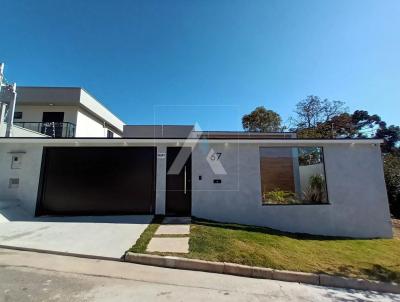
(63, 112)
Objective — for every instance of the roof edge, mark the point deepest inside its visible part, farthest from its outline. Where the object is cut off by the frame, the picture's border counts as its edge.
(105, 140)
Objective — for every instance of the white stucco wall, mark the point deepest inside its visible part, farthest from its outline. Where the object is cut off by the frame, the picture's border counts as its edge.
(3, 128)
(35, 113)
(17, 131)
(87, 126)
(357, 194)
(28, 174)
(358, 202)
(90, 103)
(305, 172)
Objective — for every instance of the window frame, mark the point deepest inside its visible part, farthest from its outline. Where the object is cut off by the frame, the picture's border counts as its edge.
(20, 117)
(110, 134)
(295, 204)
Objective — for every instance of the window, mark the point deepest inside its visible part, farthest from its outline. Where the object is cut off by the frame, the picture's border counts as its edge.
(13, 183)
(293, 175)
(110, 134)
(18, 115)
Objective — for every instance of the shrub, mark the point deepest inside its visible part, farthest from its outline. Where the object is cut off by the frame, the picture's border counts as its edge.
(316, 190)
(391, 165)
(279, 196)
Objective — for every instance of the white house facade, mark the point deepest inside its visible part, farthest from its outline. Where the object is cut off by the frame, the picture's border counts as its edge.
(323, 187)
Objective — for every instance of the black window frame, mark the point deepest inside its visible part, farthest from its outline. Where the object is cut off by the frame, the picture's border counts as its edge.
(328, 202)
(18, 115)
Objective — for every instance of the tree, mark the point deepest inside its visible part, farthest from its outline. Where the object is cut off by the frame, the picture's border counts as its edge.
(390, 136)
(329, 119)
(338, 126)
(357, 125)
(262, 120)
(313, 111)
(391, 165)
(362, 120)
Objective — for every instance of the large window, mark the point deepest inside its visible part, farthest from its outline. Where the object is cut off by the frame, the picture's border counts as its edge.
(293, 175)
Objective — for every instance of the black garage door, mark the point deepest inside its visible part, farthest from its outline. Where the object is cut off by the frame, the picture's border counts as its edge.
(97, 180)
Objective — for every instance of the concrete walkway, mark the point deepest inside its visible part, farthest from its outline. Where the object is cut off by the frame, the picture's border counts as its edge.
(172, 236)
(26, 276)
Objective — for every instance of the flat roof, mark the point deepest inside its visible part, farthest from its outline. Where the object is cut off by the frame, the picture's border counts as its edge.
(94, 141)
(243, 135)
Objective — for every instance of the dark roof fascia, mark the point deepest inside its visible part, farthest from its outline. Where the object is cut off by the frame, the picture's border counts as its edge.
(194, 138)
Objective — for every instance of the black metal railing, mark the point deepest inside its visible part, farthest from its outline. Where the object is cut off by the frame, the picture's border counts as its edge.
(53, 129)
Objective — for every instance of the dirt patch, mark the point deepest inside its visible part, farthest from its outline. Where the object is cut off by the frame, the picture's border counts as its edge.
(396, 228)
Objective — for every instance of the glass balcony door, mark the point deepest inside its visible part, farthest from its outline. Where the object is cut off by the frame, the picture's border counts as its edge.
(53, 124)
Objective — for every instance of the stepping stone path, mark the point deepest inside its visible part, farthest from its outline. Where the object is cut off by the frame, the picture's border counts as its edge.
(175, 236)
(173, 229)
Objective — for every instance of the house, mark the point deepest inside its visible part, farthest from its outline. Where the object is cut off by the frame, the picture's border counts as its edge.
(329, 187)
(62, 112)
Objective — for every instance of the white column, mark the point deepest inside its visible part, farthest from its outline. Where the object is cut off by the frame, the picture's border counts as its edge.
(296, 171)
(161, 179)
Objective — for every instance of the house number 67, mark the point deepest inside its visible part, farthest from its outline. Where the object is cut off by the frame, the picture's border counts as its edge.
(215, 156)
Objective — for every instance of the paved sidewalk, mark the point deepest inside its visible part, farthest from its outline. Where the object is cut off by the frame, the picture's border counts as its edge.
(172, 236)
(26, 276)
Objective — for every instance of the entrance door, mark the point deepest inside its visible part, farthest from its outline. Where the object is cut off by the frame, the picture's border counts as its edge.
(53, 123)
(179, 181)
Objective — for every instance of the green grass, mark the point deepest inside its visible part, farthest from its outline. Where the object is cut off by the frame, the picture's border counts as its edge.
(144, 239)
(377, 259)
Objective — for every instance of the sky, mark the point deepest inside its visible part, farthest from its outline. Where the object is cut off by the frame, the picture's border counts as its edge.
(208, 61)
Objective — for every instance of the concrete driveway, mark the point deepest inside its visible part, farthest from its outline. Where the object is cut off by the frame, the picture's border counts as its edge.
(106, 236)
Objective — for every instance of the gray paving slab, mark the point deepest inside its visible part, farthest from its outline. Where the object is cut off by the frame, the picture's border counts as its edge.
(169, 245)
(173, 229)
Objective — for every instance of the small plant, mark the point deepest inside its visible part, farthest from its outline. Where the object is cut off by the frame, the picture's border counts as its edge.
(279, 196)
(316, 189)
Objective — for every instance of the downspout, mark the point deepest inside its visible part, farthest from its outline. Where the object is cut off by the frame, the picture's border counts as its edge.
(2, 105)
(11, 109)
(12, 89)
(1, 74)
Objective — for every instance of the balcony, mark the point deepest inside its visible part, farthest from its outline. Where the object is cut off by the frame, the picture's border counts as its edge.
(53, 129)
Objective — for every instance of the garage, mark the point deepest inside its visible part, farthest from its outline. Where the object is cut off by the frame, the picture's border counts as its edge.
(97, 180)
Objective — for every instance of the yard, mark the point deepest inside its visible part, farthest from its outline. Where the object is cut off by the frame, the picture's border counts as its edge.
(377, 259)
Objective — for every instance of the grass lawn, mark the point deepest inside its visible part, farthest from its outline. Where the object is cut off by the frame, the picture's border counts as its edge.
(377, 259)
(144, 239)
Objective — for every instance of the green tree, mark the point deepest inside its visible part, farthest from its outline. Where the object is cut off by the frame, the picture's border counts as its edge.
(262, 120)
(391, 165)
(328, 119)
(390, 136)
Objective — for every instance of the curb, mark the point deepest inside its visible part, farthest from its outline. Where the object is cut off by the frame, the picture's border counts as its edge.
(261, 272)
